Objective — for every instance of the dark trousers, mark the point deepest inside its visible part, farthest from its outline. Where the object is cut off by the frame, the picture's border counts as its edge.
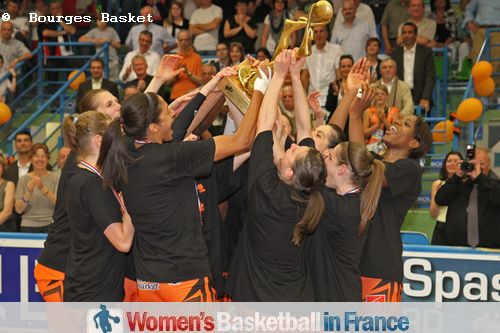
(438, 237)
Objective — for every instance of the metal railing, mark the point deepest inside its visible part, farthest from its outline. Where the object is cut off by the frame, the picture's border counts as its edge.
(35, 101)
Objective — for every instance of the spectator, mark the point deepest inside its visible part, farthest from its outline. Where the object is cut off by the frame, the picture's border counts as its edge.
(287, 104)
(162, 41)
(448, 169)
(129, 91)
(152, 58)
(222, 54)
(274, 24)
(321, 66)
(7, 192)
(241, 28)
(353, 33)
(395, 14)
(22, 143)
(97, 81)
(21, 27)
(103, 34)
(6, 86)
(446, 23)
(426, 27)
(463, 35)
(157, 7)
(473, 202)
(80, 8)
(337, 88)
(363, 12)
(36, 192)
(191, 61)
(372, 49)
(415, 65)
(377, 119)
(236, 54)
(207, 73)
(479, 15)
(262, 54)
(59, 33)
(140, 68)
(40, 8)
(12, 50)
(399, 91)
(175, 20)
(204, 25)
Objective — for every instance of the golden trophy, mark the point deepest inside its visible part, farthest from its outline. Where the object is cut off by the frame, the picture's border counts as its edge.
(238, 89)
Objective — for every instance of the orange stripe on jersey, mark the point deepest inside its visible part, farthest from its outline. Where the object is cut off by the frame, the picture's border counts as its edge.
(50, 283)
(379, 290)
(197, 290)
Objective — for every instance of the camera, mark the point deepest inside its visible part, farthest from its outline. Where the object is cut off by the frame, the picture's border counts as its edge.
(470, 155)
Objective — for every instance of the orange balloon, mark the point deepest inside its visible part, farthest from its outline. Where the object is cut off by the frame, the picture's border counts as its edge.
(447, 135)
(80, 79)
(485, 87)
(481, 70)
(469, 110)
(5, 113)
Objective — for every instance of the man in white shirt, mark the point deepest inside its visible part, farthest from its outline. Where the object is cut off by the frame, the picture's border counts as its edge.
(321, 66)
(353, 33)
(399, 92)
(145, 40)
(362, 11)
(426, 27)
(162, 41)
(204, 25)
(415, 65)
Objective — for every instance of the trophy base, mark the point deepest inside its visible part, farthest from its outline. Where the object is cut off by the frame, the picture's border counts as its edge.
(232, 89)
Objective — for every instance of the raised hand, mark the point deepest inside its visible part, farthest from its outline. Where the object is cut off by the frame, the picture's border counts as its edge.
(169, 67)
(360, 104)
(296, 64)
(313, 101)
(360, 72)
(282, 63)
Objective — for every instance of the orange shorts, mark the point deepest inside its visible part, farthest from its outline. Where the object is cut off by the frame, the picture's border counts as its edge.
(197, 290)
(379, 290)
(131, 292)
(50, 283)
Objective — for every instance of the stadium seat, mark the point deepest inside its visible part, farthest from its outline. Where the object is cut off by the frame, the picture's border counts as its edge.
(414, 238)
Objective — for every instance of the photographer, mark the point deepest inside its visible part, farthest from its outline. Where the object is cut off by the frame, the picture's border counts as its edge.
(473, 200)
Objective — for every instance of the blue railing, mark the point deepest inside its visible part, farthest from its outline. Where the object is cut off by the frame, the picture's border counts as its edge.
(57, 102)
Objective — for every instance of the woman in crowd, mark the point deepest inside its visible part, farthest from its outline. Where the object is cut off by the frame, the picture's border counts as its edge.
(7, 193)
(377, 119)
(274, 24)
(284, 205)
(262, 54)
(448, 168)
(36, 192)
(158, 182)
(372, 49)
(337, 88)
(241, 28)
(101, 229)
(236, 54)
(176, 21)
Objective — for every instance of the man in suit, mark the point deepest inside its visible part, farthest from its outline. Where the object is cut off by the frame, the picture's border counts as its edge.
(415, 66)
(23, 143)
(458, 192)
(97, 81)
(399, 92)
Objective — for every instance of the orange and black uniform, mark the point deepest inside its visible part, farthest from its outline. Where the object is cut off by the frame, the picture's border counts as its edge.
(266, 265)
(381, 263)
(170, 254)
(334, 249)
(49, 272)
(95, 270)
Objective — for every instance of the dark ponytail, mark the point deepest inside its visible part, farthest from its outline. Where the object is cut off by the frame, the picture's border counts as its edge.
(309, 175)
(137, 113)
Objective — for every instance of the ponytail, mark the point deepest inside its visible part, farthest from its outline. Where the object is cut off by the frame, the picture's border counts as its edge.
(113, 156)
(69, 132)
(371, 194)
(309, 174)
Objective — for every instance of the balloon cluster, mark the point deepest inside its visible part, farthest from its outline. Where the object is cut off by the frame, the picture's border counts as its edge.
(79, 79)
(484, 85)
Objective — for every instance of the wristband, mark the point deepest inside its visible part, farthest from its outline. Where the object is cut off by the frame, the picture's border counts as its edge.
(24, 200)
(261, 83)
(45, 192)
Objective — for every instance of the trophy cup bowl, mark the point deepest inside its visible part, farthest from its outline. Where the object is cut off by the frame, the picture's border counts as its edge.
(239, 88)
